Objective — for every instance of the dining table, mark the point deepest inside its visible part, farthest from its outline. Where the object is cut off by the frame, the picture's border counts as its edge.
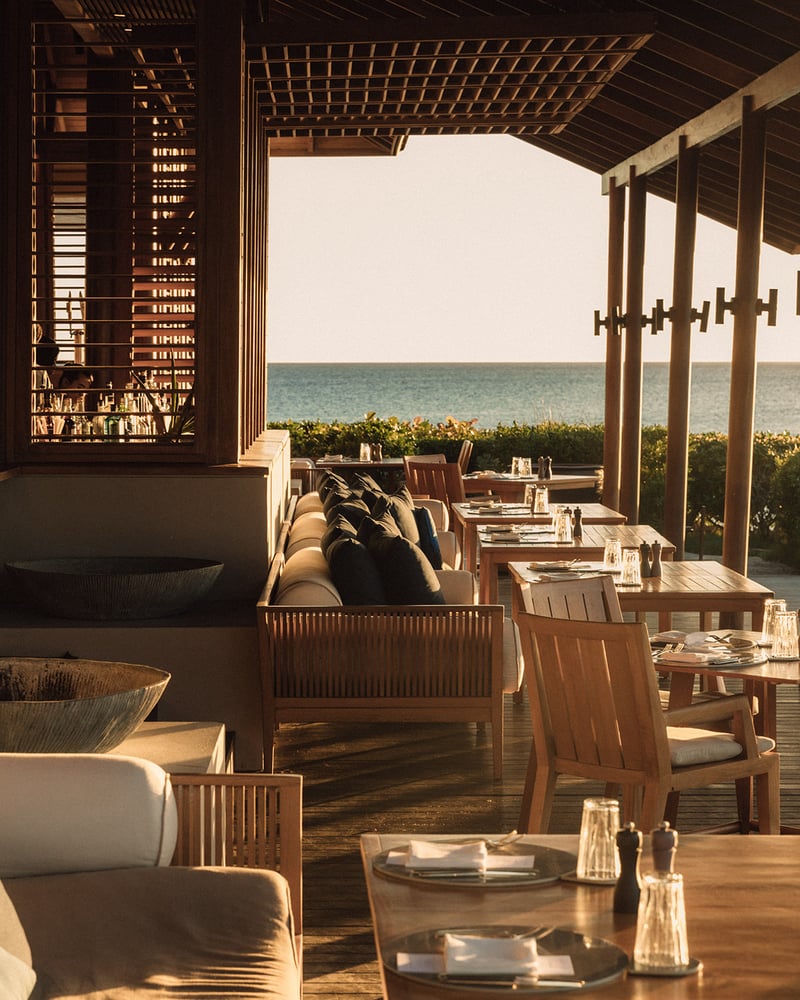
(469, 516)
(533, 543)
(742, 895)
(510, 487)
(703, 586)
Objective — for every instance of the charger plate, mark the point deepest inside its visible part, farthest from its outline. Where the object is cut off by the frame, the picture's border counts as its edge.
(549, 866)
(595, 961)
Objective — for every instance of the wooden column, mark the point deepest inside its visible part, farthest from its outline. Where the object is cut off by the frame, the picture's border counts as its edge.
(612, 438)
(631, 460)
(220, 51)
(739, 472)
(680, 362)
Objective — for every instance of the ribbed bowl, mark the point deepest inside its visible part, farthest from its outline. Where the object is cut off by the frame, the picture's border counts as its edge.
(114, 587)
(73, 706)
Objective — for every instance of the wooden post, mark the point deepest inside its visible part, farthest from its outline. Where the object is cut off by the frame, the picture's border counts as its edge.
(632, 376)
(741, 417)
(680, 363)
(612, 437)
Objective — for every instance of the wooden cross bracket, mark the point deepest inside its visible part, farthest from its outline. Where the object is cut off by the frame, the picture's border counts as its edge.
(770, 307)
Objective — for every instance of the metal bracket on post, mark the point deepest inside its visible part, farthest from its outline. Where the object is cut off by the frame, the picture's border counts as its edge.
(660, 314)
(613, 322)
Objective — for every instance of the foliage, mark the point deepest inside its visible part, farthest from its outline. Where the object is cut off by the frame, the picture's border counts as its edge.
(786, 498)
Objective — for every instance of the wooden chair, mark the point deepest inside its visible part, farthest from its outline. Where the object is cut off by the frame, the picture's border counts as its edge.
(464, 455)
(442, 480)
(596, 714)
(243, 821)
(590, 599)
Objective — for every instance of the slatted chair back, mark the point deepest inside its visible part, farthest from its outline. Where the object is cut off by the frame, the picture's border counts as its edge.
(464, 456)
(589, 599)
(596, 714)
(441, 480)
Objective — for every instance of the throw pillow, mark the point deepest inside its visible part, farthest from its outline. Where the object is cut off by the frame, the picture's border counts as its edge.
(406, 572)
(339, 494)
(353, 510)
(401, 507)
(364, 481)
(330, 480)
(338, 527)
(428, 536)
(17, 978)
(372, 526)
(354, 573)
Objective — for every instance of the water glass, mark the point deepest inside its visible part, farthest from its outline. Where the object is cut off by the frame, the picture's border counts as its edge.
(563, 527)
(612, 555)
(541, 500)
(515, 466)
(525, 467)
(771, 606)
(598, 857)
(631, 568)
(365, 452)
(661, 941)
(784, 640)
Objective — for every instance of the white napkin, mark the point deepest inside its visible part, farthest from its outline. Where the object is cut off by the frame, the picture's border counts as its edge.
(682, 656)
(435, 854)
(468, 954)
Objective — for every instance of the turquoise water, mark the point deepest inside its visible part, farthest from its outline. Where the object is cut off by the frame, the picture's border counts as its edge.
(523, 393)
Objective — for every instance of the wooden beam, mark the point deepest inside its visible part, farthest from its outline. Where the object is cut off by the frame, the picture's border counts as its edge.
(775, 87)
(429, 29)
(612, 436)
(741, 419)
(631, 467)
(680, 362)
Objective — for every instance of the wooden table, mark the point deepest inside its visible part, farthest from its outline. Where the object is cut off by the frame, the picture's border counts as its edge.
(703, 586)
(742, 899)
(590, 548)
(467, 518)
(512, 488)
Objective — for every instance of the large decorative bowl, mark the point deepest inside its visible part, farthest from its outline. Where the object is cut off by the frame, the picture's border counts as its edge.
(73, 706)
(114, 587)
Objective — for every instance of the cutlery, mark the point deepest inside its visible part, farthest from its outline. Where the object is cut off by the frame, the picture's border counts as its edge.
(489, 873)
(511, 984)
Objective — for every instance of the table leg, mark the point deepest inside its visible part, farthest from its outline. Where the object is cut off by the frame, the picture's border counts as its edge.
(487, 577)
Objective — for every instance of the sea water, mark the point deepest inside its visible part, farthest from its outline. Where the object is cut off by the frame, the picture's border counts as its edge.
(528, 393)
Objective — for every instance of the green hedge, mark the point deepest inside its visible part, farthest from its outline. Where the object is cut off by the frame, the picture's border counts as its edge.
(775, 497)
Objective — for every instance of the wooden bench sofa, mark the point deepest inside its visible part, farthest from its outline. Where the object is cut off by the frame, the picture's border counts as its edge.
(326, 661)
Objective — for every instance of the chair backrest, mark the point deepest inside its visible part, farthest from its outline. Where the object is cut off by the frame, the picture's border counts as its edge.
(589, 599)
(417, 459)
(441, 480)
(596, 706)
(464, 456)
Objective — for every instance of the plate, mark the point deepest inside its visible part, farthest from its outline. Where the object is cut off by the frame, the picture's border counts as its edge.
(594, 960)
(573, 877)
(550, 864)
(557, 565)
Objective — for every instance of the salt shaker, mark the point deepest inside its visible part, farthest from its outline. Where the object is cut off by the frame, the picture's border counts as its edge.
(548, 468)
(655, 567)
(664, 841)
(577, 526)
(627, 889)
(644, 548)
(541, 467)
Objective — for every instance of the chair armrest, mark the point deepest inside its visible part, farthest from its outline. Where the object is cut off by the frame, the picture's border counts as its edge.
(458, 586)
(735, 707)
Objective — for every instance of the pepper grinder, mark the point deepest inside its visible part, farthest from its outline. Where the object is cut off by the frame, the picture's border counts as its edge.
(577, 527)
(541, 467)
(655, 568)
(627, 889)
(664, 842)
(548, 468)
(644, 548)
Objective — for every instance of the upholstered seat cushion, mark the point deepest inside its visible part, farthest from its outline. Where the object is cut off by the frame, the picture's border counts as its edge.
(157, 932)
(306, 531)
(689, 746)
(308, 502)
(306, 581)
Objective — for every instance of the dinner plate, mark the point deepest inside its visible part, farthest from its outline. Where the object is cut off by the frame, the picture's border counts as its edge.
(549, 865)
(594, 960)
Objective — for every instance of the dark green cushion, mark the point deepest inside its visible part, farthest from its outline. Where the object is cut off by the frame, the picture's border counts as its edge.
(338, 527)
(354, 510)
(383, 525)
(338, 494)
(364, 481)
(406, 572)
(326, 481)
(401, 507)
(428, 536)
(354, 572)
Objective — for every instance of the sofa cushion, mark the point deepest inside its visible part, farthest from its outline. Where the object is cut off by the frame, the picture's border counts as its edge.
(136, 819)
(307, 502)
(354, 509)
(364, 481)
(339, 495)
(160, 933)
(327, 481)
(338, 527)
(355, 573)
(428, 536)
(306, 581)
(371, 526)
(402, 510)
(17, 979)
(306, 531)
(407, 575)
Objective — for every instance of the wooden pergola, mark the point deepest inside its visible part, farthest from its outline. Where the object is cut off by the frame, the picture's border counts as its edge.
(692, 100)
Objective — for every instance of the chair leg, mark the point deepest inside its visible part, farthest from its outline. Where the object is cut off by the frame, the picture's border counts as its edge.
(768, 787)
(671, 808)
(744, 803)
(537, 796)
(654, 805)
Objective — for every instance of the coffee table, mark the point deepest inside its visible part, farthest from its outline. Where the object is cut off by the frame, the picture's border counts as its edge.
(494, 554)
(468, 517)
(741, 893)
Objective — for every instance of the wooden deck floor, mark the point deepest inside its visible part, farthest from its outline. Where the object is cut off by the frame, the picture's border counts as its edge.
(438, 779)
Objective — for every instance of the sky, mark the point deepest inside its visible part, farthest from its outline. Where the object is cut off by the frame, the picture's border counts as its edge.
(476, 248)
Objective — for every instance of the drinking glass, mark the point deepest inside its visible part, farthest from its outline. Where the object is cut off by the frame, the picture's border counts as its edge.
(661, 941)
(541, 500)
(515, 466)
(612, 555)
(525, 467)
(598, 858)
(563, 527)
(365, 452)
(631, 568)
(784, 641)
(771, 606)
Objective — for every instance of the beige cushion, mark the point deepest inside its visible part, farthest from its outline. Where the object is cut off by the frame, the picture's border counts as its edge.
(513, 664)
(458, 586)
(307, 502)
(438, 509)
(83, 812)
(312, 524)
(689, 746)
(17, 979)
(306, 582)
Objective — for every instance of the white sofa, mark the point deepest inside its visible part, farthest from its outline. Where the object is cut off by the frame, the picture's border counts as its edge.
(90, 906)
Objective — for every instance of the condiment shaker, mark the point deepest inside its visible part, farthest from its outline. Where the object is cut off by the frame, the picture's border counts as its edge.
(577, 525)
(664, 841)
(644, 548)
(655, 567)
(627, 889)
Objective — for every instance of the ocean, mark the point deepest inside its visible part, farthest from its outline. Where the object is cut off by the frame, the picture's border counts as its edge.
(505, 393)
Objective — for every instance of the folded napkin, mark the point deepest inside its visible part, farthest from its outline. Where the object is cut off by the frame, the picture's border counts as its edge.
(682, 656)
(468, 954)
(435, 854)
